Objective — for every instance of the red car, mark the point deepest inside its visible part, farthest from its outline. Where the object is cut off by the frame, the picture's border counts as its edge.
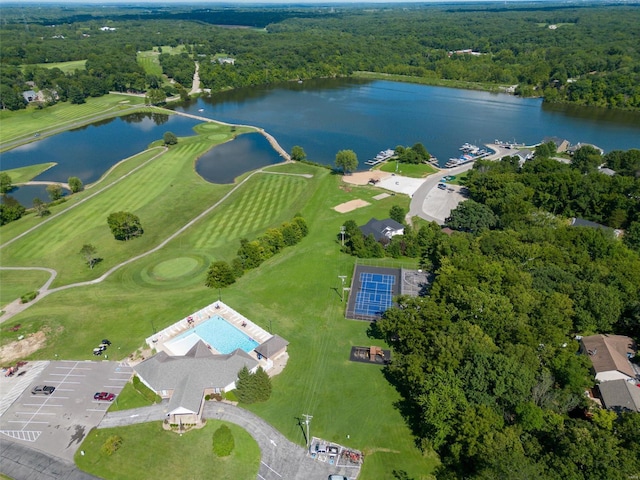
(104, 396)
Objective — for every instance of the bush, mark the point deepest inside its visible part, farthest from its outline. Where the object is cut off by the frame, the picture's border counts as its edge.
(111, 445)
(27, 297)
(223, 442)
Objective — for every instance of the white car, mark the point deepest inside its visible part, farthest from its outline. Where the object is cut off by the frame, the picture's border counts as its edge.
(337, 477)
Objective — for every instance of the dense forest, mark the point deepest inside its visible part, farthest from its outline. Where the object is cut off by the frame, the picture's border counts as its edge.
(586, 55)
(487, 361)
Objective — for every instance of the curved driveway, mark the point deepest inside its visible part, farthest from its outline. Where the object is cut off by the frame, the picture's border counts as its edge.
(418, 205)
(280, 458)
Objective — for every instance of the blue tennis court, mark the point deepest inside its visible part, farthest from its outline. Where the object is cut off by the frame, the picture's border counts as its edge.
(375, 294)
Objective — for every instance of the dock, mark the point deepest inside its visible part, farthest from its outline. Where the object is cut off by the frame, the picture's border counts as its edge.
(382, 156)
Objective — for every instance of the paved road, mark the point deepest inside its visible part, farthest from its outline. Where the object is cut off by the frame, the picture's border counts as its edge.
(21, 463)
(418, 206)
(281, 459)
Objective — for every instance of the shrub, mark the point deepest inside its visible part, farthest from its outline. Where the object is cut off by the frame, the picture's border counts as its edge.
(111, 445)
(223, 442)
(207, 397)
(27, 297)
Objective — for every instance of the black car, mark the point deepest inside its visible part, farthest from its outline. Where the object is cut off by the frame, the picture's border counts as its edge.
(106, 341)
(42, 390)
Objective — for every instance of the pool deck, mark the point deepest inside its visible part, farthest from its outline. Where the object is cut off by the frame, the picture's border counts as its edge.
(158, 340)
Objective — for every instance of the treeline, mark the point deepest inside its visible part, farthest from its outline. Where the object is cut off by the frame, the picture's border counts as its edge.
(577, 189)
(582, 55)
(252, 253)
(486, 362)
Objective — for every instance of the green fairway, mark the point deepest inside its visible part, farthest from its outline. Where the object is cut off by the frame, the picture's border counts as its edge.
(66, 67)
(408, 169)
(149, 61)
(295, 292)
(26, 123)
(25, 174)
(171, 456)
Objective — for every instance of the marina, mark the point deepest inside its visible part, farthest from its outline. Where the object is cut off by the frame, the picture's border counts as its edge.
(381, 157)
(470, 153)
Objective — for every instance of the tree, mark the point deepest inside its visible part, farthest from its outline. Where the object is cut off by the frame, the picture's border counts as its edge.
(88, 252)
(632, 236)
(346, 160)
(586, 159)
(298, 154)
(220, 275)
(170, 138)
(156, 96)
(75, 184)
(253, 387)
(10, 210)
(40, 207)
(397, 213)
(124, 225)
(6, 184)
(471, 216)
(54, 191)
(223, 442)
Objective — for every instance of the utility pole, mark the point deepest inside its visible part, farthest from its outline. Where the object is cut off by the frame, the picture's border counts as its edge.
(307, 420)
(343, 278)
(342, 231)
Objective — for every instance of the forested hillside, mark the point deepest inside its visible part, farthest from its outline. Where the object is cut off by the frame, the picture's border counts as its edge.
(487, 363)
(586, 55)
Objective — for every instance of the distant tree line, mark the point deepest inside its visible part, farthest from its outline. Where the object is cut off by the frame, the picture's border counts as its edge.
(584, 55)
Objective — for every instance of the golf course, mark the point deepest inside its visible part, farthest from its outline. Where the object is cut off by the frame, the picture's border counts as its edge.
(149, 282)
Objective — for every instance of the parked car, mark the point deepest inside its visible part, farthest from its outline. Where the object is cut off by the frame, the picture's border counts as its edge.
(42, 390)
(337, 477)
(442, 186)
(318, 448)
(104, 396)
(105, 341)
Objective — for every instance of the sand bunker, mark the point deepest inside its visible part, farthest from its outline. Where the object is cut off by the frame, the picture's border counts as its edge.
(362, 178)
(350, 206)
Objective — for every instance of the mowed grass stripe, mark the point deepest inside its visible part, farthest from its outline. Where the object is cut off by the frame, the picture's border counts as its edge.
(245, 214)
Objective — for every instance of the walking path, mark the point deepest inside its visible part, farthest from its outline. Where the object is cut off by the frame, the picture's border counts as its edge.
(195, 86)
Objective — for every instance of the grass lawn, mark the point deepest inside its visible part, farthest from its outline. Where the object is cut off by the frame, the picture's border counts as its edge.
(150, 62)
(24, 174)
(294, 292)
(66, 67)
(134, 395)
(16, 283)
(25, 123)
(172, 455)
(408, 169)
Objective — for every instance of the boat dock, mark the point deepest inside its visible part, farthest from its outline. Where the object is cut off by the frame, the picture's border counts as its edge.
(470, 153)
(381, 157)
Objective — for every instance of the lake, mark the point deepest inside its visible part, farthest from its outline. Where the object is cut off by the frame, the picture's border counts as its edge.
(325, 116)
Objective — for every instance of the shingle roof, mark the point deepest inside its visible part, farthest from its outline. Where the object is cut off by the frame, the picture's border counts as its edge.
(190, 374)
(581, 222)
(379, 227)
(272, 346)
(620, 395)
(609, 353)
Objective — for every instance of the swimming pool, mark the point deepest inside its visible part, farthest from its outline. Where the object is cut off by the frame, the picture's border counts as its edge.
(218, 333)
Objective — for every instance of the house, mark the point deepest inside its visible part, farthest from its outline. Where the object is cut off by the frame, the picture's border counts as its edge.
(107, 29)
(186, 379)
(606, 171)
(581, 222)
(620, 395)
(30, 96)
(609, 355)
(572, 149)
(561, 144)
(382, 230)
(272, 348)
(524, 155)
(225, 60)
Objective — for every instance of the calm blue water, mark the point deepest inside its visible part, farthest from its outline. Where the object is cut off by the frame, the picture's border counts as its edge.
(325, 116)
(225, 162)
(222, 336)
(328, 115)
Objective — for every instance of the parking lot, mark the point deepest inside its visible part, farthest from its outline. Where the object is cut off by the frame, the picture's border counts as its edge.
(58, 423)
